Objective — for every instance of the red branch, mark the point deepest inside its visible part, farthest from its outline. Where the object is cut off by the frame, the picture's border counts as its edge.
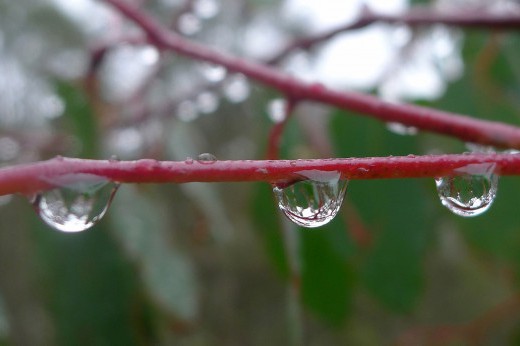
(32, 177)
(414, 17)
(462, 127)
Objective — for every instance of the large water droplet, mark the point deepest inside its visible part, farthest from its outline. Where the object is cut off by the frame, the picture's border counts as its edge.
(470, 191)
(80, 201)
(206, 158)
(314, 202)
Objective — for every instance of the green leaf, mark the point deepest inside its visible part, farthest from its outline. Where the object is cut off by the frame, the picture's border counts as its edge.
(140, 222)
(395, 211)
(266, 216)
(79, 112)
(90, 285)
(326, 277)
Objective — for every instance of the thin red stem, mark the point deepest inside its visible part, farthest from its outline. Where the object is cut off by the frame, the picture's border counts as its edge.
(275, 136)
(414, 17)
(462, 127)
(32, 177)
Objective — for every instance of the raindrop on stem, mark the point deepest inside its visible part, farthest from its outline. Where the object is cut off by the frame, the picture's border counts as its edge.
(77, 204)
(470, 191)
(314, 202)
(206, 158)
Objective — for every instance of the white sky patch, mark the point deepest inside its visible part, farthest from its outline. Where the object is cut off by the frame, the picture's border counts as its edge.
(355, 61)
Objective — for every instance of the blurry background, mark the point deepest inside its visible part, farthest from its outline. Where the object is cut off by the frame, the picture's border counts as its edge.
(217, 264)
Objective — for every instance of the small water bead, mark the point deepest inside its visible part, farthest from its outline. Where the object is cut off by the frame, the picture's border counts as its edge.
(312, 203)
(189, 160)
(479, 148)
(206, 158)
(78, 204)
(470, 191)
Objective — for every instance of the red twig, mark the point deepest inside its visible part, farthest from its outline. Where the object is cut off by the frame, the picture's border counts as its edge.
(462, 127)
(414, 17)
(28, 178)
(275, 136)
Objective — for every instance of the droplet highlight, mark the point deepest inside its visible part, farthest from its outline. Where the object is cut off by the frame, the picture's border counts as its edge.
(314, 202)
(80, 201)
(470, 191)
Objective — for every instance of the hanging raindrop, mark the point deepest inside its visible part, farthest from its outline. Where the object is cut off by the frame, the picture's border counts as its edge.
(80, 201)
(470, 191)
(314, 202)
(206, 158)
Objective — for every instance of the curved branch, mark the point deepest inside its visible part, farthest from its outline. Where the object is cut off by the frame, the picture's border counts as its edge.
(414, 17)
(459, 126)
(29, 178)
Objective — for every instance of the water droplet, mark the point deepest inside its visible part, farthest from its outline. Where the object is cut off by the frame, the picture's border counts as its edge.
(206, 158)
(276, 110)
(479, 148)
(312, 203)
(80, 201)
(237, 88)
(470, 191)
(189, 24)
(189, 160)
(207, 102)
(401, 129)
(212, 72)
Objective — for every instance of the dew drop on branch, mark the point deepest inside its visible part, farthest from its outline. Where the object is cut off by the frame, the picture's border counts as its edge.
(314, 202)
(470, 191)
(80, 201)
(206, 158)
